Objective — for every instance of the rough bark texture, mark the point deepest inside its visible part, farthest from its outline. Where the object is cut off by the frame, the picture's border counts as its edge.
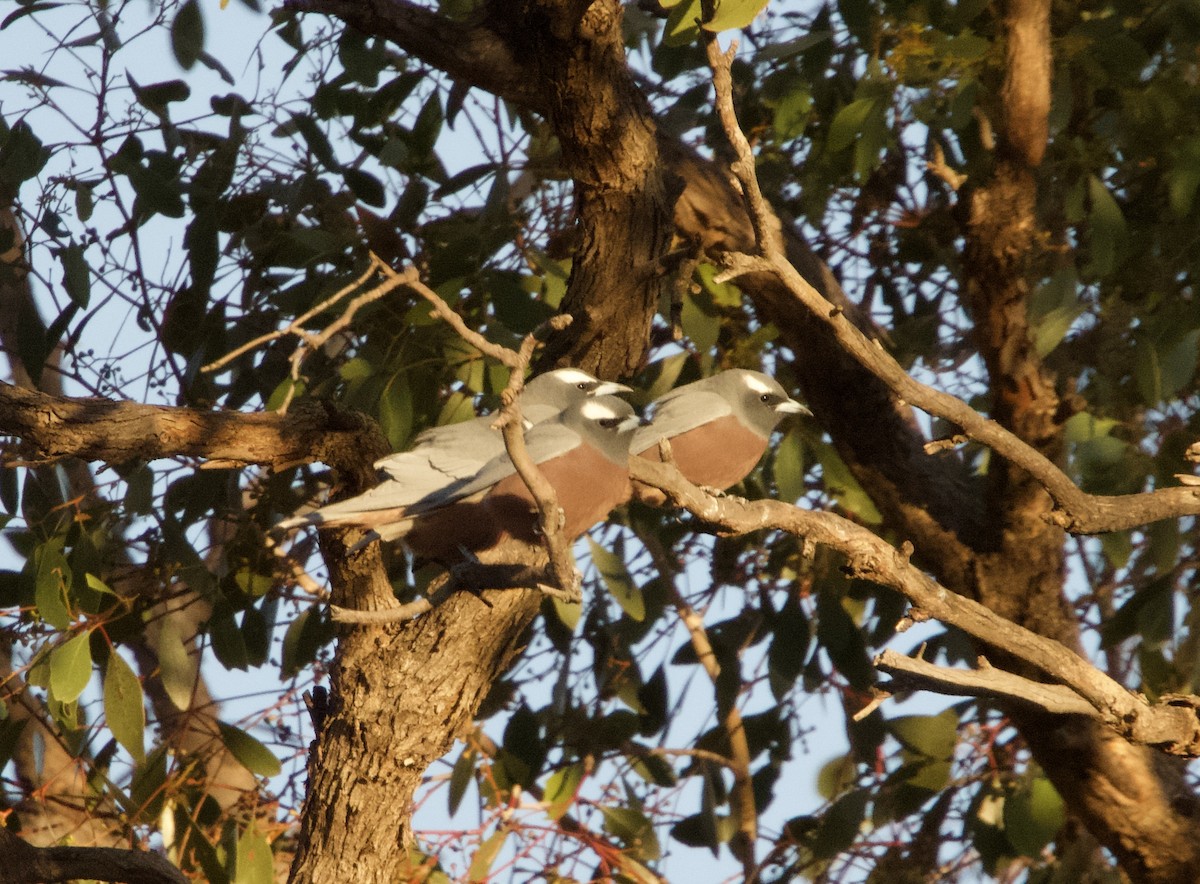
(992, 546)
(623, 194)
(120, 432)
(400, 697)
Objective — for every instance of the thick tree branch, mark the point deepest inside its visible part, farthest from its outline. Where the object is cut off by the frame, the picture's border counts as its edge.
(468, 51)
(1079, 512)
(1172, 727)
(26, 864)
(118, 432)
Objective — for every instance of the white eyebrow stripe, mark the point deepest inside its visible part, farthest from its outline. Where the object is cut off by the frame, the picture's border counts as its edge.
(757, 384)
(573, 376)
(593, 410)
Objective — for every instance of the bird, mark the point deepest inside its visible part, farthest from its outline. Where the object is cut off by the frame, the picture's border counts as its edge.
(718, 427)
(583, 452)
(441, 455)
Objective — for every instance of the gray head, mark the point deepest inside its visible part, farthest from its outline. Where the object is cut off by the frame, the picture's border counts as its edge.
(757, 399)
(604, 422)
(563, 387)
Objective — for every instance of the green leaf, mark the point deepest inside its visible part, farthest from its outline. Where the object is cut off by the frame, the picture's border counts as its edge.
(252, 583)
(930, 776)
(316, 140)
(304, 637)
(71, 668)
(568, 613)
(731, 14)
(25, 9)
(22, 155)
(682, 25)
(156, 96)
(396, 413)
(1163, 369)
(187, 34)
(836, 776)
(1033, 816)
(787, 467)
(1181, 190)
(365, 186)
(255, 864)
(934, 736)
(249, 752)
(848, 123)
(124, 706)
(53, 578)
(560, 790)
(618, 582)
(481, 863)
(841, 824)
(1107, 224)
(77, 279)
(701, 326)
(461, 776)
(1050, 329)
(139, 490)
(633, 828)
(841, 483)
(97, 585)
(175, 666)
(228, 643)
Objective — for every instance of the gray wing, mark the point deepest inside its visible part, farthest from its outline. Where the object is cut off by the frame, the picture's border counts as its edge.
(358, 510)
(452, 452)
(677, 413)
(544, 441)
(456, 451)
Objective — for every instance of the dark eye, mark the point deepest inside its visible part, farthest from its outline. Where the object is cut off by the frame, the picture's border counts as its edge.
(765, 397)
(609, 422)
(583, 385)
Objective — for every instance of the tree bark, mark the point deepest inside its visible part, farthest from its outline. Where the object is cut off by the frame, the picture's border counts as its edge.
(401, 696)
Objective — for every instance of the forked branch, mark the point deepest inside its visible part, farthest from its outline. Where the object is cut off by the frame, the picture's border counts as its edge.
(1075, 511)
(1171, 725)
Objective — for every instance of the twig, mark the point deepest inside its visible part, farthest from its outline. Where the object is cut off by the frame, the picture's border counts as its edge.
(1076, 511)
(744, 807)
(310, 342)
(562, 562)
(910, 673)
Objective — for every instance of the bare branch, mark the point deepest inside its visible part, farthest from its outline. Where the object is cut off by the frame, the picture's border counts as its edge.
(118, 431)
(913, 673)
(472, 576)
(310, 342)
(742, 796)
(1076, 511)
(1172, 726)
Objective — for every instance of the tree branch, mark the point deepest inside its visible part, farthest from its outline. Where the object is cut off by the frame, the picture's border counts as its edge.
(1077, 511)
(26, 864)
(1172, 726)
(913, 673)
(118, 431)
